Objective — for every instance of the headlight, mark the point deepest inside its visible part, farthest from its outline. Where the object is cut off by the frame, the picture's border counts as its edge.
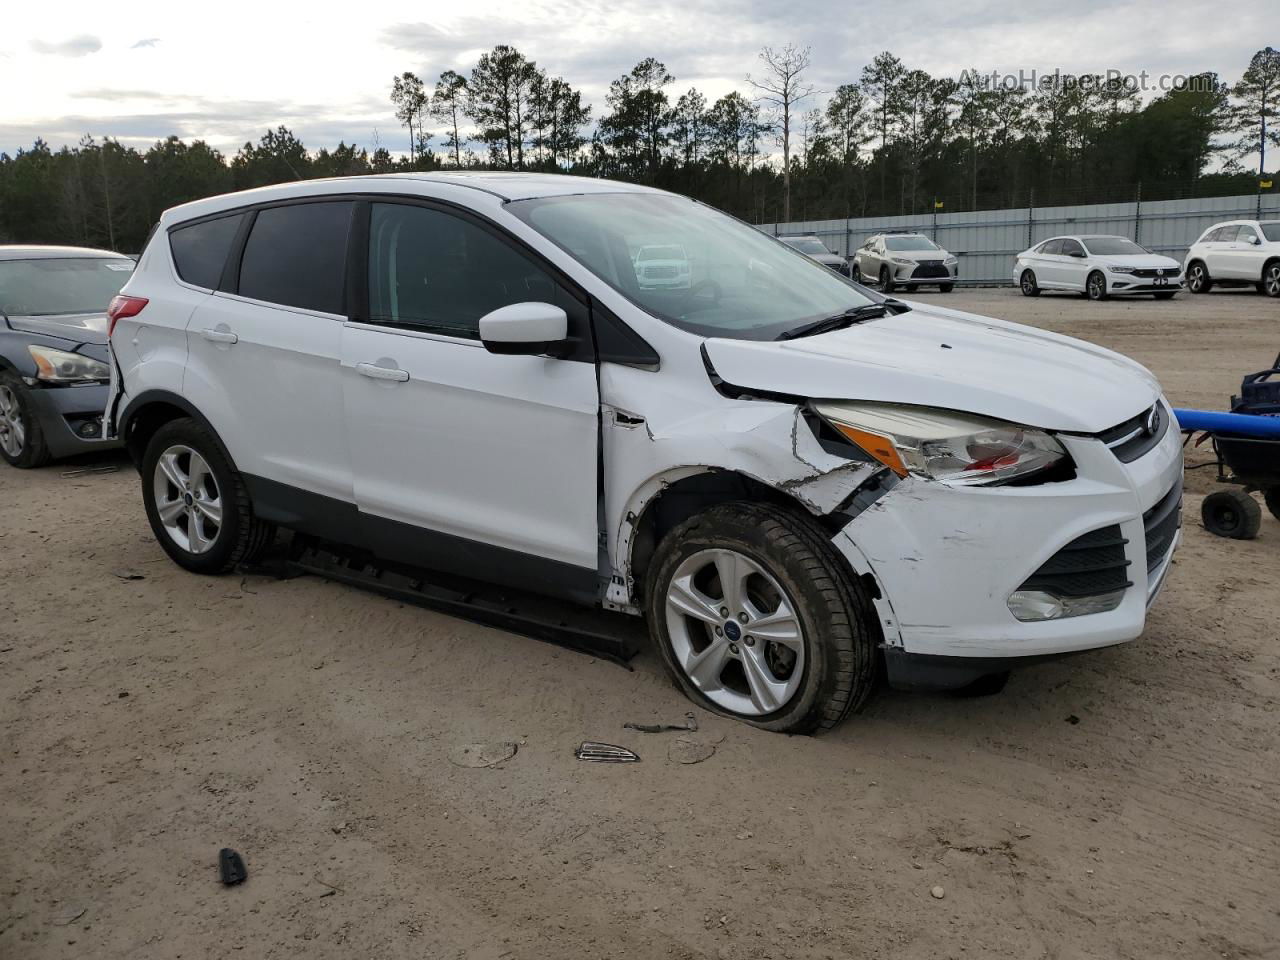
(951, 261)
(59, 366)
(959, 449)
(1120, 269)
(905, 263)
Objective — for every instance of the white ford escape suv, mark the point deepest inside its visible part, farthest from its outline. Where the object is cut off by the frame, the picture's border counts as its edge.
(790, 477)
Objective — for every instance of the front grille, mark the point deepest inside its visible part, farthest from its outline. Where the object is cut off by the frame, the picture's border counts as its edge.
(1161, 524)
(1169, 272)
(929, 268)
(660, 273)
(1137, 435)
(1085, 567)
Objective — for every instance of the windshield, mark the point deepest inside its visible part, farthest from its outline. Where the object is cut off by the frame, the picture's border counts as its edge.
(739, 282)
(806, 245)
(40, 288)
(1114, 247)
(1271, 230)
(910, 243)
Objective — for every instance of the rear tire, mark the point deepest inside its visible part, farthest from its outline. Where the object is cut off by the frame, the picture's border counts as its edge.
(1095, 287)
(1027, 283)
(22, 441)
(1198, 279)
(1270, 283)
(197, 503)
(824, 624)
(1231, 513)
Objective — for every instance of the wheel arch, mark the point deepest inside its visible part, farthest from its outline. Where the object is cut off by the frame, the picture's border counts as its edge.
(151, 410)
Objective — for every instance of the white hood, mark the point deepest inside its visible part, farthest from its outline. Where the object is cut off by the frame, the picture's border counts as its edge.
(936, 357)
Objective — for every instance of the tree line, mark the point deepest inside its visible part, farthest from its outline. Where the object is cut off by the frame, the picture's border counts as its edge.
(892, 140)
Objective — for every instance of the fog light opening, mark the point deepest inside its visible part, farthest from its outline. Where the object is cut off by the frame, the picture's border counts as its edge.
(1038, 605)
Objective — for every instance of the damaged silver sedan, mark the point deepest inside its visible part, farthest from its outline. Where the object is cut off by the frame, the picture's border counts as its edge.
(797, 481)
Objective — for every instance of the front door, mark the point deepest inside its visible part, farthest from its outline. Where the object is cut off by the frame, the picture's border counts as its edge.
(467, 461)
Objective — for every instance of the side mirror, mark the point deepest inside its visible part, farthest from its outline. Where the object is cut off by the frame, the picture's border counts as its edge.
(1076, 253)
(525, 329)
(1255, 240)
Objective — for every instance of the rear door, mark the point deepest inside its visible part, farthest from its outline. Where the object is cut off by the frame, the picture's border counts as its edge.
(1073, 264)
(1245, 256)
(1217, 250)
(263, 361)
(1048, 264)
(467, 461)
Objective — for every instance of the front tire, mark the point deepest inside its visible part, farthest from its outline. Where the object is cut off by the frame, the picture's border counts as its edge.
(1198, 279)
(757, 620)
(197, 503)
(22, 441)
(886, 280)
(1166, 295)
(1231, 513)
(1095, 288)
(1027, 284)
(946, 287)
(855, 273)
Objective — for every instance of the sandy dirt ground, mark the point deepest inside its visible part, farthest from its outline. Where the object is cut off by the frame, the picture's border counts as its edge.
(1120, 804)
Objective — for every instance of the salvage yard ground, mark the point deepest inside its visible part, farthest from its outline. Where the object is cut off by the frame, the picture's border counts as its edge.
(1120, 804)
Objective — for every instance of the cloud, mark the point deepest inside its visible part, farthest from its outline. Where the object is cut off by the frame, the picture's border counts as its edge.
(79, 46)
(148, 42)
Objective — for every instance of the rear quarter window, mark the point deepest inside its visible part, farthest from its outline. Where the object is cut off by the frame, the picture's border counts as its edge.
(200, 250)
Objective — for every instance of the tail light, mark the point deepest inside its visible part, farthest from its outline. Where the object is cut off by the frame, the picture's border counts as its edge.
(121, 307)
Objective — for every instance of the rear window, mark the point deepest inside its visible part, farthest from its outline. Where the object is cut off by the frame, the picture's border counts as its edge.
(296, 256)
(200, 250)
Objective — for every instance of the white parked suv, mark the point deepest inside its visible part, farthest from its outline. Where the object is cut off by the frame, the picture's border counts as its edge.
(893, 260)
(1096, 266)
(1239, 253)
(792, 479)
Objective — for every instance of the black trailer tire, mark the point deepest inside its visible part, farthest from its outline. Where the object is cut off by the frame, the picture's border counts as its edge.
(22, 434)
(838, 631)
(1231, 513)
(237, 537)
(1271, 496)
(1027, 284)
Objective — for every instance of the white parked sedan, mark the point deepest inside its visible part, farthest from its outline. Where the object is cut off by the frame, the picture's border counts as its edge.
(1239, 253)
(1097, 266)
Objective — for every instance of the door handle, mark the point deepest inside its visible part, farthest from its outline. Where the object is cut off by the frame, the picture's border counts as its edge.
(376, 372)
(219, 336)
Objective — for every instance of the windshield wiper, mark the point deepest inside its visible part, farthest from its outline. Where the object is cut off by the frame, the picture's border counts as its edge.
(868, 311)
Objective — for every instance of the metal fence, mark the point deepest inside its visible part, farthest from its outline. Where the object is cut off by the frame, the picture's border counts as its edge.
(987, 241)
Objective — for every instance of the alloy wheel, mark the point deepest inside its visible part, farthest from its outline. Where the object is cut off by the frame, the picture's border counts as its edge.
(1272, 280)
(734, 632)
(1197, 278)
(187, 499)
(13, 434)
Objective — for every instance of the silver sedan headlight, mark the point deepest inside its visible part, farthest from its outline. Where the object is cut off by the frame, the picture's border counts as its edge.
(958, 449)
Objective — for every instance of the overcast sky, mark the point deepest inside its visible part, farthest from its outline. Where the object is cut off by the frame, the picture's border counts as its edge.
(226, 71)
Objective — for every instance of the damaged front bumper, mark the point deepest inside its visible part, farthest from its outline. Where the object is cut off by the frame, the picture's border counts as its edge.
(947, 559)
